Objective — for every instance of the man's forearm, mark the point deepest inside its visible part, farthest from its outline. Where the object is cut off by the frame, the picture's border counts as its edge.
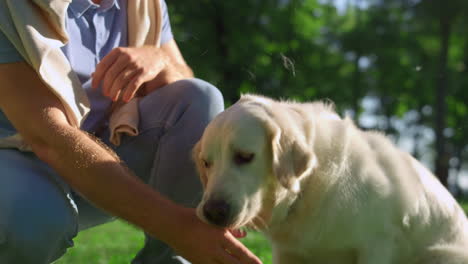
(176, 67)
(174, 59)
(183, 69)
(172, 72)
(99, 176)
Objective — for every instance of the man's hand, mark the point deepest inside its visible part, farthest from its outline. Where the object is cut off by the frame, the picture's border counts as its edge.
(205, 244)
(124, 70)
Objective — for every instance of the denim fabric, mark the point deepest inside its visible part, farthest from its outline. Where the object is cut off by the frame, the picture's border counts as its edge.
(6, 129)
(38, 220)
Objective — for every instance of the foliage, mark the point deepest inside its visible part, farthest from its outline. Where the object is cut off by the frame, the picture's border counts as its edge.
(410, 56)
(464, 205)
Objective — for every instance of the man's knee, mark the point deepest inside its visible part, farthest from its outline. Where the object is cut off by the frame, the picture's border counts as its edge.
(202, 90)
(190, 102)
(203, 95)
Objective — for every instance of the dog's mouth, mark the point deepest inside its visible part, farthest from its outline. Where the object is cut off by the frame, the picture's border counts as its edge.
(238, 233)
(217, 212)
(223, 214)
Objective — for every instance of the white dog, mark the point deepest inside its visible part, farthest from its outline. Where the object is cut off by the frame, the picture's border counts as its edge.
(323, 191)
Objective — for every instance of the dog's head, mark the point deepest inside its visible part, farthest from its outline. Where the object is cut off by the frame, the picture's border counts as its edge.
(249, 153)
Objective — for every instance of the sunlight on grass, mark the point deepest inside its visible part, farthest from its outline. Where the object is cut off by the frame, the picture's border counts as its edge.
(113, 243)
(257, 243)
(118, 242)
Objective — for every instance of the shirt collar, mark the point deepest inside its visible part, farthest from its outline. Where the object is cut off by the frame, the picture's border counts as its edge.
(79, 7)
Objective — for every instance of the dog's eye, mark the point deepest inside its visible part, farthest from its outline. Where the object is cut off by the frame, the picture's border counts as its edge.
(243, 158)
(206, 164)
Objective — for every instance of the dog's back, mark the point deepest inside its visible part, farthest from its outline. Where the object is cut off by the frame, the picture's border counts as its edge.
(375, 190)
(430, 211)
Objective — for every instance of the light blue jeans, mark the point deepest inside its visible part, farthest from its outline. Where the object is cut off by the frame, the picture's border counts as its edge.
(40, 214)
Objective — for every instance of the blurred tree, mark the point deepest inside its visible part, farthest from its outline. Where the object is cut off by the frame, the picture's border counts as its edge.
(408, 55)
(441, 18)
(274, 47)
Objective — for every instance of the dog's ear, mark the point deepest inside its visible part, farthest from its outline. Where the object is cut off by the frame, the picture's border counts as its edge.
(292, 154)
(198, 163)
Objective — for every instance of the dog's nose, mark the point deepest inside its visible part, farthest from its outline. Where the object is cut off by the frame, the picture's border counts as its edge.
(217, 212)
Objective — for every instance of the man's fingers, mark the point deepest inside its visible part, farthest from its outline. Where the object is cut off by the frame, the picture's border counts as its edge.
(132, 87)
(120, 82)
(103, 66)
(113, 73)
(240, 252)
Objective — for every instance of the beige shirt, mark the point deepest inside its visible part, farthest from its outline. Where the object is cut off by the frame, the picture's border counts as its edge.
(37, 30)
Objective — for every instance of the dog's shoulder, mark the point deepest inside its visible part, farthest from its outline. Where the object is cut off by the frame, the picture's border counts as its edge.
(255, 98)
(321, 108)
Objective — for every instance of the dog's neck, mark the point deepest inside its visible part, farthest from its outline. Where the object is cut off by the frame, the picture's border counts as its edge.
(330, 131)
(285, 205)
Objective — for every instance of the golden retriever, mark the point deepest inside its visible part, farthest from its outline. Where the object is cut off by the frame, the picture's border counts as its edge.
(322, 190)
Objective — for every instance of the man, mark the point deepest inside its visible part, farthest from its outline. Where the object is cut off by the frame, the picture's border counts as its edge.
(48, 195)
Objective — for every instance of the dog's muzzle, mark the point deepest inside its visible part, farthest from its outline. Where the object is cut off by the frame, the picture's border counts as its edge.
(217, 212)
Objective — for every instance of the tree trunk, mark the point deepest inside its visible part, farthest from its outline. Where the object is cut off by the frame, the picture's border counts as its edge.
(229, 92)
(442, 156)
(357, 76)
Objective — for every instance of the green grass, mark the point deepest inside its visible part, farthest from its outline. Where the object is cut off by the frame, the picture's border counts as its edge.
(118, 242)
(111, 243)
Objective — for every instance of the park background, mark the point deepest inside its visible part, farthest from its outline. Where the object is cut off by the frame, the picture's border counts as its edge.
(398, 66)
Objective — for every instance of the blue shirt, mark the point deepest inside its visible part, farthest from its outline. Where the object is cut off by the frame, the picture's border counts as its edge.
(94, 30)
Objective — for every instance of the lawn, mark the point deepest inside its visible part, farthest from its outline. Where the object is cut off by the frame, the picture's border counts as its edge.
(118, 242)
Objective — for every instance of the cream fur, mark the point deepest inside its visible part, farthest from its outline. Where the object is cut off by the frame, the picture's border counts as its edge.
(324, 191)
